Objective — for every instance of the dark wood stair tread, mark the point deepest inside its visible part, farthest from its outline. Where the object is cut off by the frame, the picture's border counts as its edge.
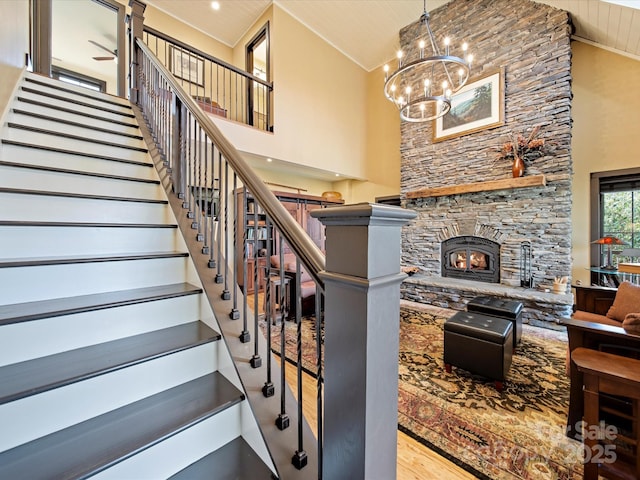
(128, 123)
(30, 223)
(28, 311)
(92, 446)
(235, 460)
(93, 95)
(75, 153)
(21, 191)
(77, 138)
(78, 172)
(77, 102)
(116, 257)
(31, 377)
(71, 123)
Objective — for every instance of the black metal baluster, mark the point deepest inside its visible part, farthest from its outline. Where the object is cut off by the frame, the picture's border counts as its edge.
(268, 389)
(299, 458)
(197, 194)
(225, 292)
(235, 314)
(215, 216)
(256, 361)
(207, 205)
(223, 198)
(282, 421)
(245, 336)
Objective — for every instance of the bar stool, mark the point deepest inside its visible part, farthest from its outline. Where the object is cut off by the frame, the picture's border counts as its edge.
(614, 375)
(275, 295)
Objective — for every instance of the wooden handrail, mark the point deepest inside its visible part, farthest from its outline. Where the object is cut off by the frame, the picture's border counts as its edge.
(301, 244)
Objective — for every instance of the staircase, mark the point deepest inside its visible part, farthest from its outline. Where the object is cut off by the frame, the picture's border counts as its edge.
(110, 356)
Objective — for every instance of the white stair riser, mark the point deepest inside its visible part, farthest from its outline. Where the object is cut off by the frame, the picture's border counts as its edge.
(81, 131)
(21, 242)
(71, 106)
(29, 418)
(71, 97)
(74, 88)
(68, 209)
(34, 180)
(45, 140)
(27, 284)
(179, 451)
(69, 332)
(34, 156)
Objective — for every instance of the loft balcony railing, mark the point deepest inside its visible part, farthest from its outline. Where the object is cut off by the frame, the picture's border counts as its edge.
(217, 87)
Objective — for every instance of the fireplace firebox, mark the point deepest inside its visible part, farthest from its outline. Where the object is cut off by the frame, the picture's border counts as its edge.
(471, 258)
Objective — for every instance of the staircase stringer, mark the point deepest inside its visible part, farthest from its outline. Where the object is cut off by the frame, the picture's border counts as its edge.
(236, 367)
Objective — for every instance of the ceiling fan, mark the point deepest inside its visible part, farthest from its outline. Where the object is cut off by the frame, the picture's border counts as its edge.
(114, 53)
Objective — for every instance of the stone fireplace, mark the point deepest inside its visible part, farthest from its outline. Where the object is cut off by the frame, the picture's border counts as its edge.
(471, 258)
(462, 192)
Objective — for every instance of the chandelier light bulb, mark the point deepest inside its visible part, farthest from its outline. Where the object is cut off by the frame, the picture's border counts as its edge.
(386, 72)
(465, 46)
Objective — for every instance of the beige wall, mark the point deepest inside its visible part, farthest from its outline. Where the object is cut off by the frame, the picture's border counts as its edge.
(312, 186)
(321, 100)
(159, 20)
(14, 32)
(14, 45)
(321, 115)
(606, 124)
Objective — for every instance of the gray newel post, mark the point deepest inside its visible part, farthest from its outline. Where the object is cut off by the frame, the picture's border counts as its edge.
(362, 308)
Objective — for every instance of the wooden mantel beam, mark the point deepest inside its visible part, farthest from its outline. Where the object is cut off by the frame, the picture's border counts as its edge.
(508, 183)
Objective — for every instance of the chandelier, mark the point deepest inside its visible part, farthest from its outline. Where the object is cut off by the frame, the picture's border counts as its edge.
(422, 86)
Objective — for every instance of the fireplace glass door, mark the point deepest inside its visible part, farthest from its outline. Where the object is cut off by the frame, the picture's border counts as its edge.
(471, 258)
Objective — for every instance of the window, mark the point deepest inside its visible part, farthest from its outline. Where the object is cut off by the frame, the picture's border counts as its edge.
(616, 211)
(78, 79)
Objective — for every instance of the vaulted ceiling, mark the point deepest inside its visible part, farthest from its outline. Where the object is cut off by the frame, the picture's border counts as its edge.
(367, 30)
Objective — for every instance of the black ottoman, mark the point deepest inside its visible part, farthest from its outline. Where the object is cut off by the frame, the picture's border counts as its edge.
(480, 344)
(498, 307)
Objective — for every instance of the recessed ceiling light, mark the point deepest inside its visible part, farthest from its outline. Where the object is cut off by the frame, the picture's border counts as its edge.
(215, 5)
(269, 160)
(337, 174)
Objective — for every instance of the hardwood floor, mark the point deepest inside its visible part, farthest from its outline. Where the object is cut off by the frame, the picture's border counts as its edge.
(415, 461)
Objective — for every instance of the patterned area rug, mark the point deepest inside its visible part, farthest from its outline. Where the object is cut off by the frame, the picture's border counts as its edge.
(518, 433)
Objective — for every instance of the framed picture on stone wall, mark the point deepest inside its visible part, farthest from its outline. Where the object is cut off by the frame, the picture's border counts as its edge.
(476, 106)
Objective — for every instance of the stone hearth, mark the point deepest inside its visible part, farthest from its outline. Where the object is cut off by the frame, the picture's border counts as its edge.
(541, 308)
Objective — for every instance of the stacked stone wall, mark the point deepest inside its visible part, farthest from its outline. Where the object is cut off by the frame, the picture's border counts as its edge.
(531, 43)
